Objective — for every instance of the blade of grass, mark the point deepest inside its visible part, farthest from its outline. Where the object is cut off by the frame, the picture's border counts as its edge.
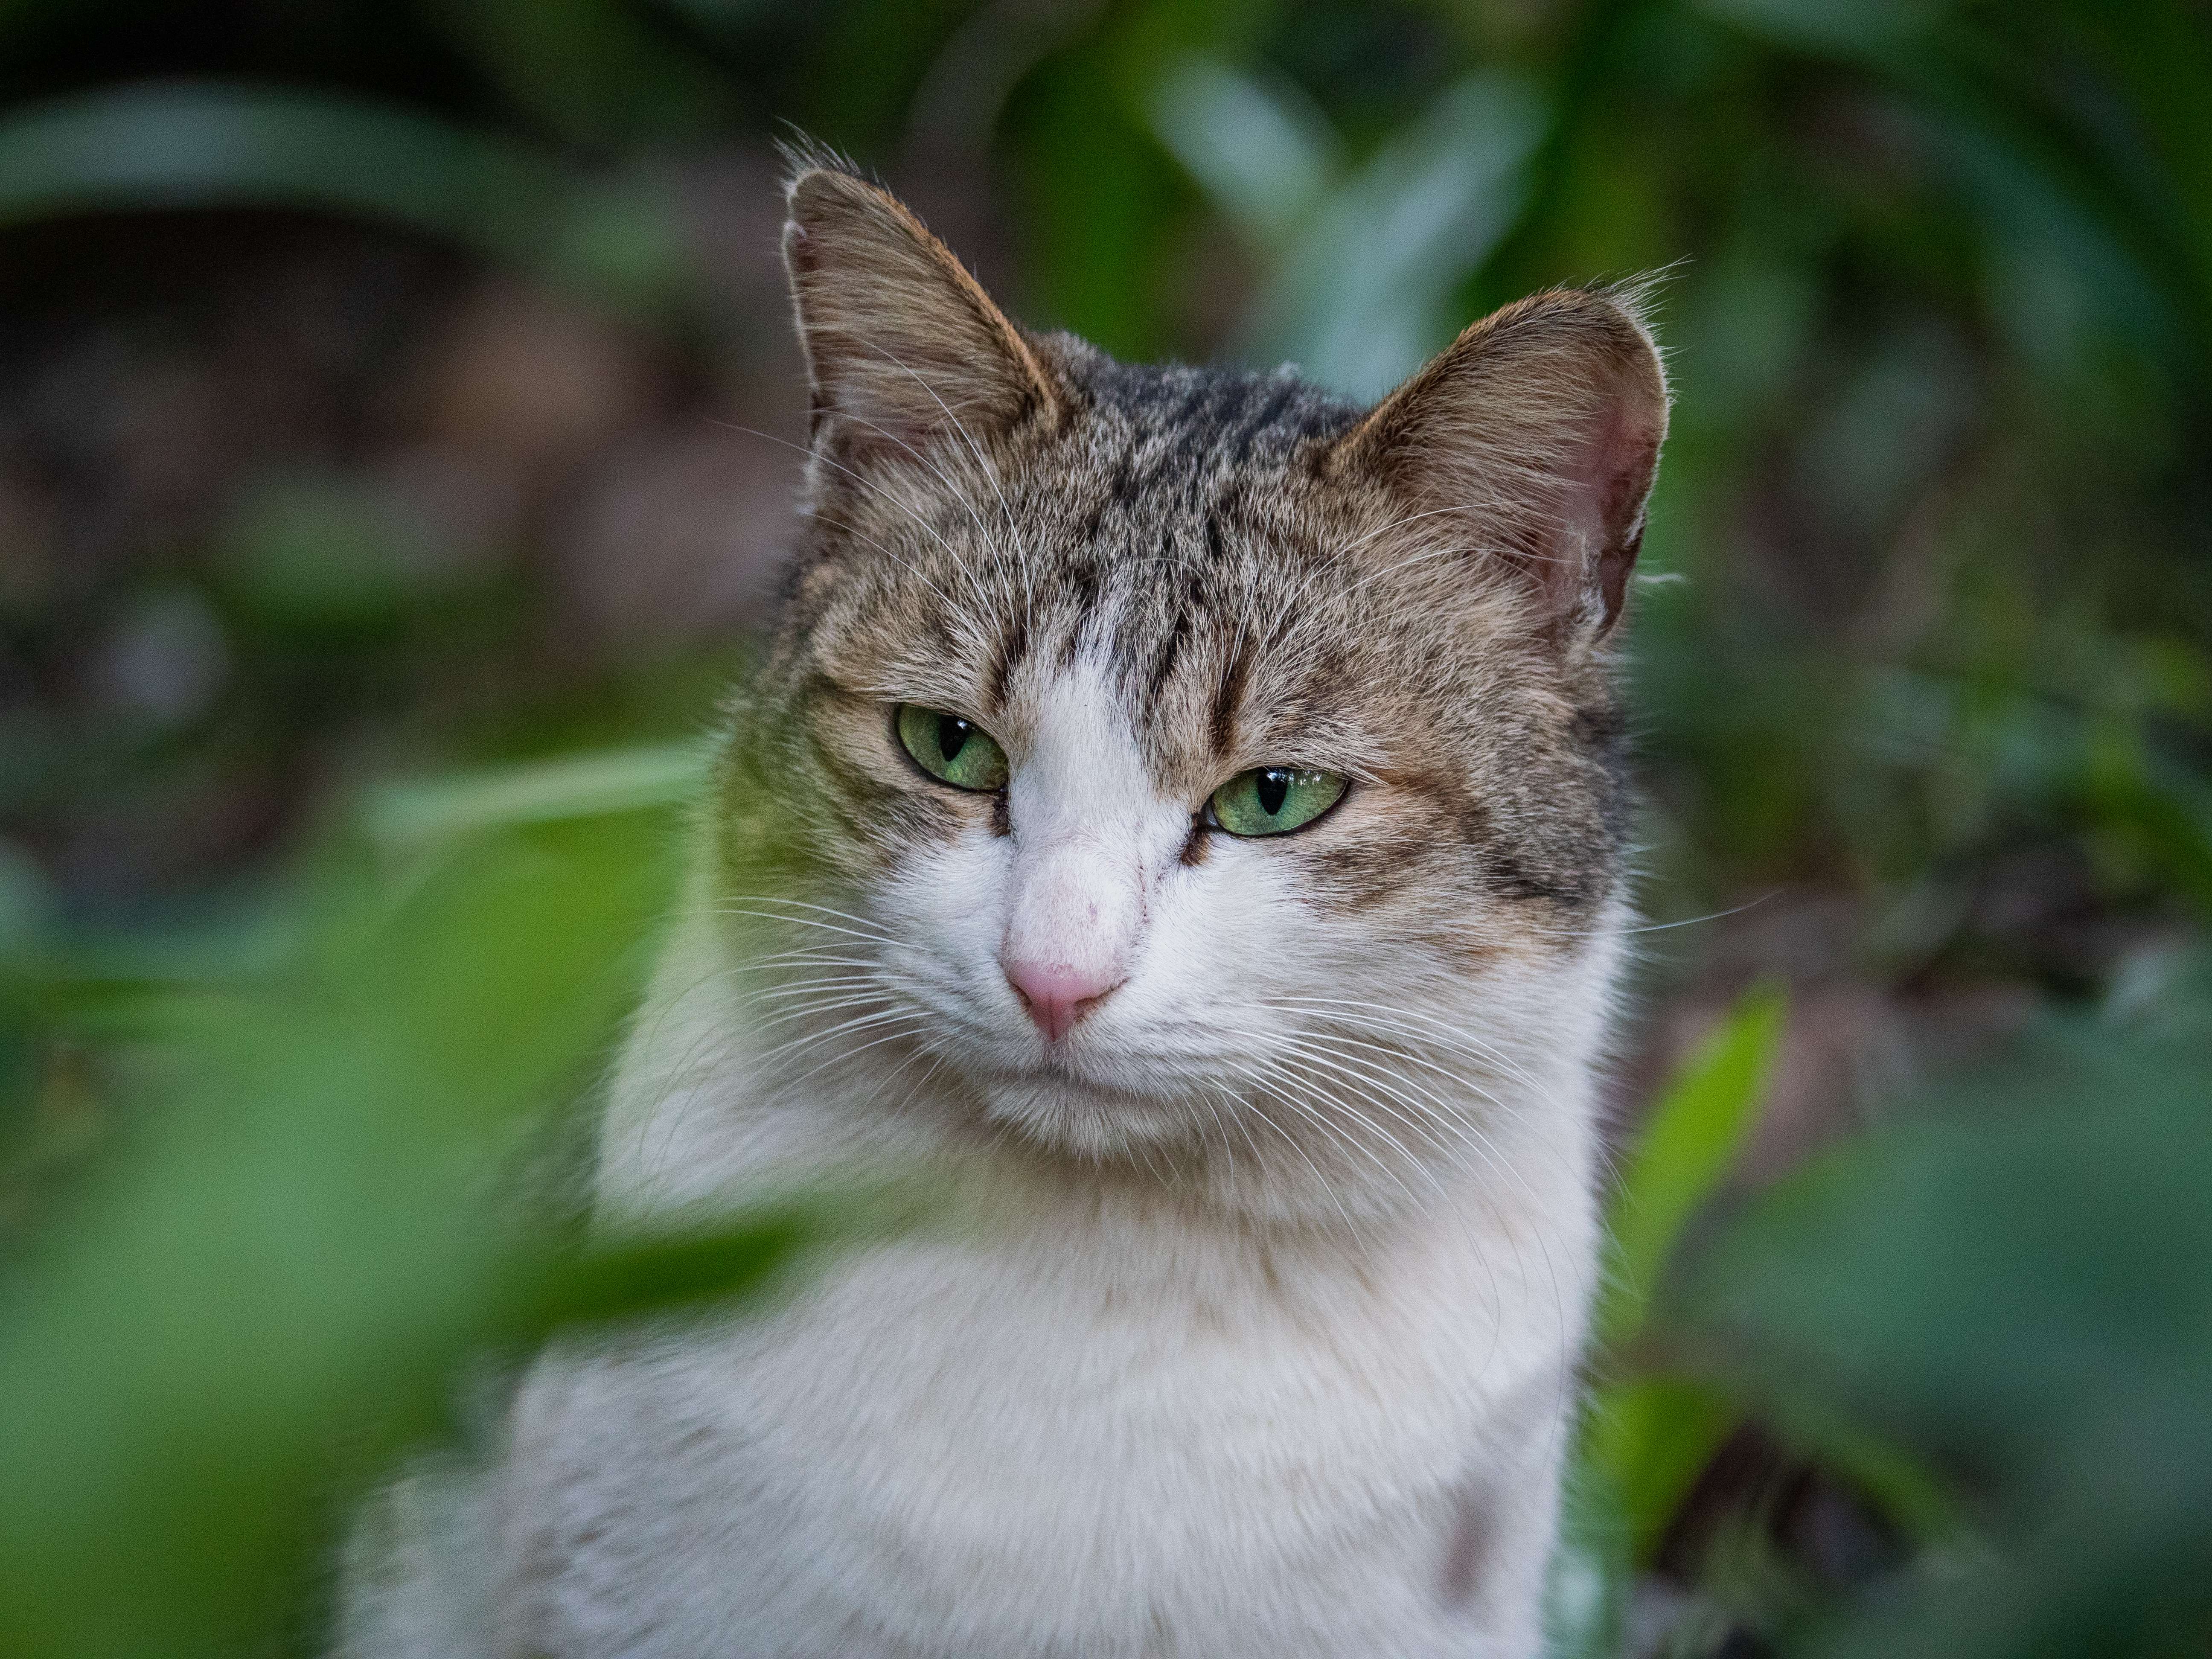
(404, 816)
(1645, 1441)
(1687, 1147)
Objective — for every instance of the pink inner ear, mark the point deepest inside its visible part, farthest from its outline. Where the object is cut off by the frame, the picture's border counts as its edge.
(1606, 474)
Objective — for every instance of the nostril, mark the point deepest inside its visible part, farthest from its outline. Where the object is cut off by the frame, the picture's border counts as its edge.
(1056, 998)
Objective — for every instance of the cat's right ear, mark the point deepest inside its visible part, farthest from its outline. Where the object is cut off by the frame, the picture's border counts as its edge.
(903, 347)
(1531, 440)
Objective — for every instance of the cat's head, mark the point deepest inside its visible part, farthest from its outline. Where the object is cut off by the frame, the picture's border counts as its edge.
(1159, 750)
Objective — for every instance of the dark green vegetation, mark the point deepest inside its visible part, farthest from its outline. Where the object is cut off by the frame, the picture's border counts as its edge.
(373, 388)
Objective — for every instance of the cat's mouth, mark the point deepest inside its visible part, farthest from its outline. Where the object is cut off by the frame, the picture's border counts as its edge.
(1111, 1071)
(1063, 1109)
(1100, 1098)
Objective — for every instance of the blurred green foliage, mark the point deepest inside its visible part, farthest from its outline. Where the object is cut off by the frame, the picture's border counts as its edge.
(268, 1286)
(2012, 1288)
(1927, 632)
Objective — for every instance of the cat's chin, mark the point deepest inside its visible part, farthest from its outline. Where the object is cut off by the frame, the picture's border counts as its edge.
(1071, 1115)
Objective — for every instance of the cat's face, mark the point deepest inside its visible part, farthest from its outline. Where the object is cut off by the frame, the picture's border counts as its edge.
(1179, 761)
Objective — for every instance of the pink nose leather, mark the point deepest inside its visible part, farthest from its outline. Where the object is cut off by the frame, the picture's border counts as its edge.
(1056, 997)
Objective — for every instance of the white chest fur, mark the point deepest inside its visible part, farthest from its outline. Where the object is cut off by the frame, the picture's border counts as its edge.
(1092, 1421)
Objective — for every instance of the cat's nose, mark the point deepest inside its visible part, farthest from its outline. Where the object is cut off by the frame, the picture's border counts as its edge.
(1057, 997)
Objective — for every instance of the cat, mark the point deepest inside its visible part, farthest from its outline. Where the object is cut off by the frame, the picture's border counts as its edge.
(1184, 811)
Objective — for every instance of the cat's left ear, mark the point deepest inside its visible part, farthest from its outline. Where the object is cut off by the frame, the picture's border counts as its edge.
(1533, 438)
(903, 347)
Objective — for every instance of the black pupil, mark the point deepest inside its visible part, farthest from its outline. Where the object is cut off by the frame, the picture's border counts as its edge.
(952, 735)
(1271, 785)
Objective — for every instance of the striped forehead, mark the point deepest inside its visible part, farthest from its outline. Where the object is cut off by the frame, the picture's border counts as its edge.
(1190, 594)
(1161, 534)
(1154, 513)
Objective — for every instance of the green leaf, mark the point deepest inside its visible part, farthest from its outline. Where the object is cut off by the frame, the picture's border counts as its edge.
(1648, 1441)
(402, 816)
(1372, 291)
(1645, 1442)
(1687, 1147)
(1586, 1589)
(1265, 157)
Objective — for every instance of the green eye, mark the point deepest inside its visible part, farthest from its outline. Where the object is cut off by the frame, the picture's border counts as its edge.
(1273, 800)
(945, 746)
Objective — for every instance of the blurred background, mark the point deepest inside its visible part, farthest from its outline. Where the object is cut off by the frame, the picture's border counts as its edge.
(397, 420)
